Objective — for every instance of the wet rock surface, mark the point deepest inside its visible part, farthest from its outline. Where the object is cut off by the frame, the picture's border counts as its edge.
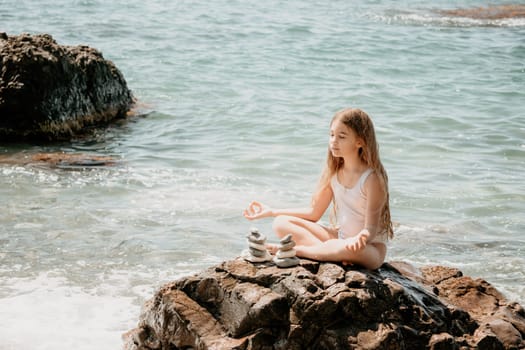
(493, 12)
(242, 305)
(53, 92)
(58, 160)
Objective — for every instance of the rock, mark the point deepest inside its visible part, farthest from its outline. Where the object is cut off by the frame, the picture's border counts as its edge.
(53, 92)
(241, 305)
(285, 256)
(58, 160)
(256, 251)
(488, 13)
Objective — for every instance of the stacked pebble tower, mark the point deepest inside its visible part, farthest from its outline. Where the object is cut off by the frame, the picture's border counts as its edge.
(285, 256)
(256, 251)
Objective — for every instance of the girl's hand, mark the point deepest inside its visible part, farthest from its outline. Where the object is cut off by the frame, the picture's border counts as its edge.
(257, 210)
(357, 243)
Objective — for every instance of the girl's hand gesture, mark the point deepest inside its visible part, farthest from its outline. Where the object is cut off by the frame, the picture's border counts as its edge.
(357, 243)
(257, 210)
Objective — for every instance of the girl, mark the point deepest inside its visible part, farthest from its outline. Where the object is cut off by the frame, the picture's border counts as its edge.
(356, 182)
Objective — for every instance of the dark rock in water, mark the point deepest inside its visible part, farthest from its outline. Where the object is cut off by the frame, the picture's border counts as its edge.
(58, 160)
(240, 305)
(52, 92)
(490, 12)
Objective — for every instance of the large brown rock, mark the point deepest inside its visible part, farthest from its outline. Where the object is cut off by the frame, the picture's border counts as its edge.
(49, 91)
(240, 305)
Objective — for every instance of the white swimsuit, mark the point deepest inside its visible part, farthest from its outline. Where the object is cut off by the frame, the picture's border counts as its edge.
(351, 208)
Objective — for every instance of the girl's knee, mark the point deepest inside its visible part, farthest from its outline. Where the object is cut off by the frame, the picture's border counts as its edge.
(281, 224)
(372, 257)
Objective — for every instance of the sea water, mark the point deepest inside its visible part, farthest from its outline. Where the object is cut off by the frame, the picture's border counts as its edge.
(235, 99)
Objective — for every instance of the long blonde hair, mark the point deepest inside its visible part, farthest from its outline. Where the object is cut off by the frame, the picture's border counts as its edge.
(362, 125)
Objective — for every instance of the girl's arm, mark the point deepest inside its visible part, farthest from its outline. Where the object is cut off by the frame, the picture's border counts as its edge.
(320, 202)
(376, 195)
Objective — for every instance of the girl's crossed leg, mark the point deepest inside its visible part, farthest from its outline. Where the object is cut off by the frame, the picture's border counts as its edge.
(304, 232)
(320, 243)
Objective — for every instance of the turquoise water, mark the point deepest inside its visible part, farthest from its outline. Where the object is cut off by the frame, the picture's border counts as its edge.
(235, 99)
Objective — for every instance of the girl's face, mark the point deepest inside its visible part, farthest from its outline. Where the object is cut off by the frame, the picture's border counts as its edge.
(343, 140)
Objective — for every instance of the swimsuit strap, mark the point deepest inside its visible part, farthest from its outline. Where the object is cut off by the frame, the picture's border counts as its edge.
(364, 176)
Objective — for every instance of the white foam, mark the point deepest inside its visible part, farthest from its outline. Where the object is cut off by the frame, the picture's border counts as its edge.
(49, 313)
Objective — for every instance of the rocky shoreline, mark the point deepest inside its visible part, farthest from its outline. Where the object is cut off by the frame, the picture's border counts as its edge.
(54, 92)
(244, 305)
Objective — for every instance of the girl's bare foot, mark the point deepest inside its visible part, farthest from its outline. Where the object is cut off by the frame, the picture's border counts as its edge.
(358, 242)
(272, 248)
